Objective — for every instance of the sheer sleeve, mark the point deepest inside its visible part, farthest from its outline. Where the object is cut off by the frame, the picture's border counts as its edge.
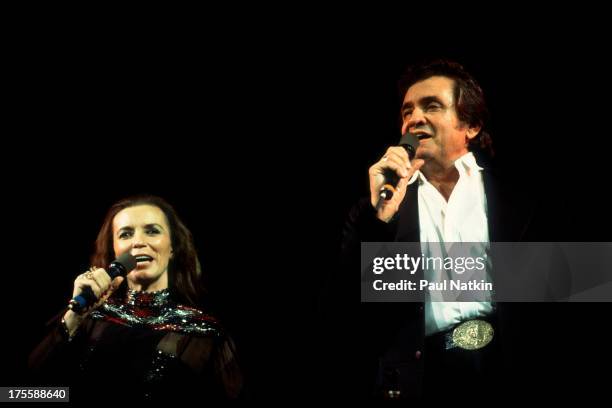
(57, 354)
(227, 368)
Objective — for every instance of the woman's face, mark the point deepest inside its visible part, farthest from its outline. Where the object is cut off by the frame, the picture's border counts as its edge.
(143, 231)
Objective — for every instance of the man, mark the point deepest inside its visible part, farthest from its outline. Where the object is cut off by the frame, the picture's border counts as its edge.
(443, 195)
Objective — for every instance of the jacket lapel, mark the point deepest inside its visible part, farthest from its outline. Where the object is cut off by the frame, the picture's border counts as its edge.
(408, 228)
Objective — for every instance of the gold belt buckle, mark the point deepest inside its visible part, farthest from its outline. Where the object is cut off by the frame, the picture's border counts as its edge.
(473, 334)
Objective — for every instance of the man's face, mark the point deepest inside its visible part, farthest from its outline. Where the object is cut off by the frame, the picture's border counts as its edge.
(429, 112)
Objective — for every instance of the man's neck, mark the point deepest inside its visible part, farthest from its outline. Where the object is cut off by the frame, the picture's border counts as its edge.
(443, 176)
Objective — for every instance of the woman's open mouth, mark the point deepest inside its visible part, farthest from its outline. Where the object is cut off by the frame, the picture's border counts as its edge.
(143, 259)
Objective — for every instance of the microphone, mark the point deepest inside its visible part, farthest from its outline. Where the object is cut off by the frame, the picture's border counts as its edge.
(119, 267)
(409, 142)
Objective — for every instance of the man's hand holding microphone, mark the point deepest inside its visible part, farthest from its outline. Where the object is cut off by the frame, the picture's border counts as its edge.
(390, 175)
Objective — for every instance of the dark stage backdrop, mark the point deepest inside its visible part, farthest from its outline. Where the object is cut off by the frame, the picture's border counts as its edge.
(262, 146)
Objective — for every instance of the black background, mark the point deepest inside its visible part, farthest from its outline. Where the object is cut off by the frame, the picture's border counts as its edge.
(261, 136)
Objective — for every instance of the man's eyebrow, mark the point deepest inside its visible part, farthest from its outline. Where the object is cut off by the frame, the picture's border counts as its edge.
(426, 100)
(407, 105)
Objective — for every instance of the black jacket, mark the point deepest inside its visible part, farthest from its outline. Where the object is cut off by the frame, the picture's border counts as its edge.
(390, 336)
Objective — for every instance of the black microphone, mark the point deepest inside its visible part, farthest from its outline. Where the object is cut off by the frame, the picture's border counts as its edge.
(119, 267)
(409, 142)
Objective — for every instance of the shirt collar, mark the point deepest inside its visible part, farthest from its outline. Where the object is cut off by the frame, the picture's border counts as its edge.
(466, 165)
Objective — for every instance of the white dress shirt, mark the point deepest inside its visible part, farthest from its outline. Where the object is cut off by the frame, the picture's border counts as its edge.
(462, 219)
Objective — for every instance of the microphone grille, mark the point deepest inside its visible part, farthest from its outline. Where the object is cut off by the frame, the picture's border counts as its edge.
(409, 142)
(127, 260)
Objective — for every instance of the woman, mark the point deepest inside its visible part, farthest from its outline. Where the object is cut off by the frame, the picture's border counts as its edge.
(145, 338)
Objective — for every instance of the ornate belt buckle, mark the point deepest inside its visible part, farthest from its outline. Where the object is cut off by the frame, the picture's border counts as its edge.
(473, 334)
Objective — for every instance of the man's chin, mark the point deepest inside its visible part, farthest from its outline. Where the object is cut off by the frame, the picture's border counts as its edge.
(423, 154)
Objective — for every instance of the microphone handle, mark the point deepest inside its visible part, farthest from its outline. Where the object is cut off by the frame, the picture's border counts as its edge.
(83, 300)
(391, 181)
(87, 297)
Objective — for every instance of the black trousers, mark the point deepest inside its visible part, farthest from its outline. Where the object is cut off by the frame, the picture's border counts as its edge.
(457, 373)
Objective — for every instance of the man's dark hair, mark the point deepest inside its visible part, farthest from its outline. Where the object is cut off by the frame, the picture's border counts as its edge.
(468, 96)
